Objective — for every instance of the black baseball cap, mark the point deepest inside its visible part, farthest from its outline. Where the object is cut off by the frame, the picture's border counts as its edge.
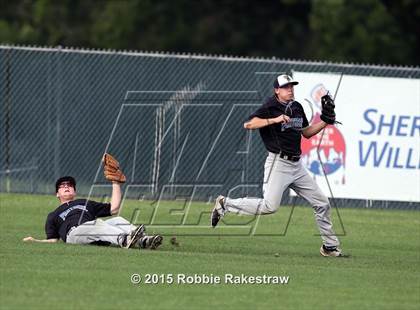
(67, 178)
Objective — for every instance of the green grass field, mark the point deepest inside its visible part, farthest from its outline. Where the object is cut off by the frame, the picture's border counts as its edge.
(383, 271)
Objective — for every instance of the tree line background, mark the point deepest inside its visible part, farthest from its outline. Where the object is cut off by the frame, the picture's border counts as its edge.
(363, 31)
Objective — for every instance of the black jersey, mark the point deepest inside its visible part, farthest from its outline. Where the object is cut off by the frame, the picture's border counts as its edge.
(73, 213)
(282, 137)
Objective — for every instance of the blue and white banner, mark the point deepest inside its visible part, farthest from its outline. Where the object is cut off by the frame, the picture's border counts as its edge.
(375, 154)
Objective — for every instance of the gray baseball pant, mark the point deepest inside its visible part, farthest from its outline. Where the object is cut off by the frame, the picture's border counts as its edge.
(112, 230)
(280, 174)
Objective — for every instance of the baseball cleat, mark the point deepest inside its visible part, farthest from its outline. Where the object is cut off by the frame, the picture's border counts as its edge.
(150, 242)
(332, 251)
(135, 236)
(218, 211)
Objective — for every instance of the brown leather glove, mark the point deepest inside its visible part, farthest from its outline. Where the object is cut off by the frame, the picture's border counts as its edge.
(112, 171)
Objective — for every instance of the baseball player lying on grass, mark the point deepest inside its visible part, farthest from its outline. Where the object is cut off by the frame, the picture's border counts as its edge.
(76, 220)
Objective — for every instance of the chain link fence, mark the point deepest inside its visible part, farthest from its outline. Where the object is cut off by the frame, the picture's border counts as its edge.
(173, 121)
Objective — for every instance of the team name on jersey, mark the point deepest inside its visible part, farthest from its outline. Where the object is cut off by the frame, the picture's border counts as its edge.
(295, 122)
(64, 214)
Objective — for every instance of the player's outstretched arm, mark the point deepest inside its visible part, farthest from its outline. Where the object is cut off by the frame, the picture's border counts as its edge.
(313, 129)
(32, 239)
(257, 122)
(115, 198)
(113, 173)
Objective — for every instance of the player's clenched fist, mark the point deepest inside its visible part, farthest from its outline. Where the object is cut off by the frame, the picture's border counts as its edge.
(281, 119)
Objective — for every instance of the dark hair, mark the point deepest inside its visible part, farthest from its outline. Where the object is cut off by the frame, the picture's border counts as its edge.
(67, 178)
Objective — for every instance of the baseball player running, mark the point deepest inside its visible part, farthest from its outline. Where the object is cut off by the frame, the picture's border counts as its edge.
(77, 220)
(281, 122)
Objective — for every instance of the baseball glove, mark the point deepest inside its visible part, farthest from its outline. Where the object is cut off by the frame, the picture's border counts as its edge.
(328, 106)
(112, 171)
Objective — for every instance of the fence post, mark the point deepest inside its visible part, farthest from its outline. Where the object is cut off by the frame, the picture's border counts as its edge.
(8, 106)
(57, 139)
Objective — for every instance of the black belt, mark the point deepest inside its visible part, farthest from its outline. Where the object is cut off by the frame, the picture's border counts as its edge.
(289, 157)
